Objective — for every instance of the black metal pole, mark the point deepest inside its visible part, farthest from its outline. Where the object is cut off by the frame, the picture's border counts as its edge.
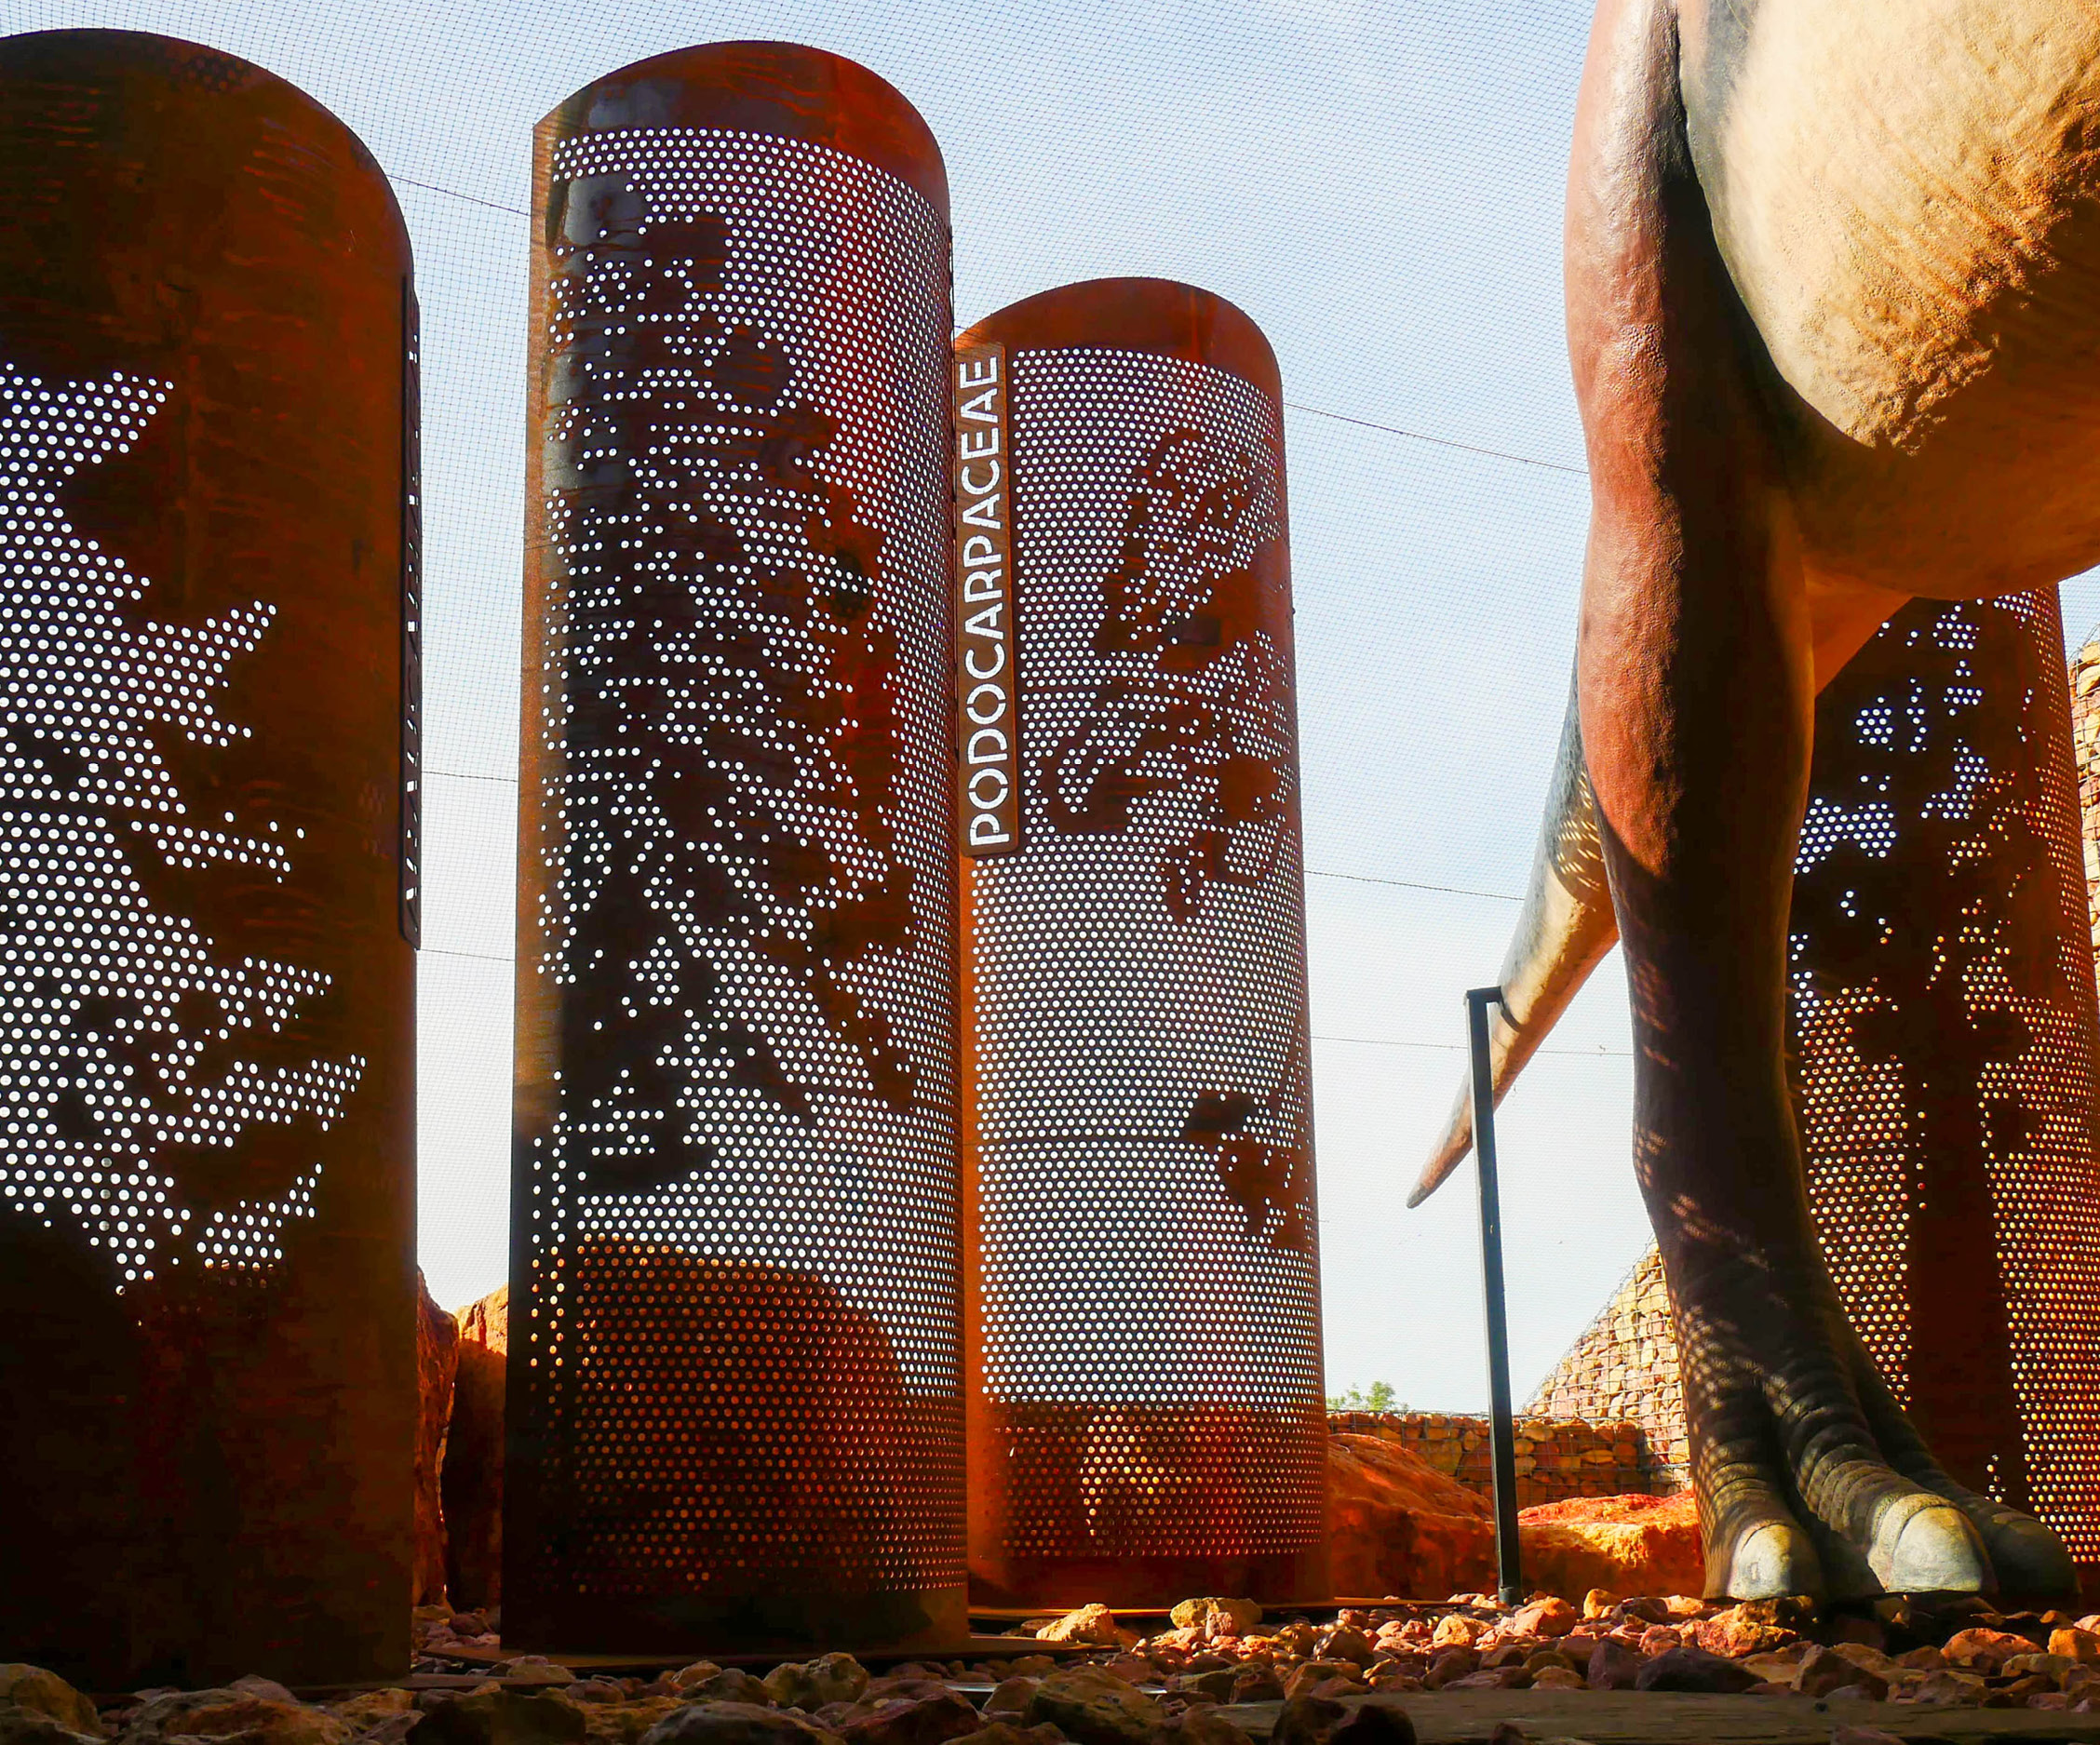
(1502, 1423)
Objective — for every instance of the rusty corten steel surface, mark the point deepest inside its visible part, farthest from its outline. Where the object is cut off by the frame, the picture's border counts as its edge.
(1944, 1016)
(1146, 1418)
(734, 1372)
(207, 1223)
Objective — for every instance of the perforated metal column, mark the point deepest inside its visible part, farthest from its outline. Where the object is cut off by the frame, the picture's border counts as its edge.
(1147, 1420)
(734, 1368)
(206, 1162)
(1944, 1011)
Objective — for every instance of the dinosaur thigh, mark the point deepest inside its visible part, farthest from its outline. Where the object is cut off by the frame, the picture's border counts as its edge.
(1903, 193)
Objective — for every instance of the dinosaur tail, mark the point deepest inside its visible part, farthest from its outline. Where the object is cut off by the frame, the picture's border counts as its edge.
(1566, 928)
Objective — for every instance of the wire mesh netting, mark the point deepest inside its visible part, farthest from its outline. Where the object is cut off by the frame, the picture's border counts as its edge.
(1379, 187)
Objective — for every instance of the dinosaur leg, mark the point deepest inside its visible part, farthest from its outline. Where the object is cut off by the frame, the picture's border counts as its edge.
(1695, 675)
(1567, 924)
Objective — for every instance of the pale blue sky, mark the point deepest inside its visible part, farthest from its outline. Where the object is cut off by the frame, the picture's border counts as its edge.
(1379, 186)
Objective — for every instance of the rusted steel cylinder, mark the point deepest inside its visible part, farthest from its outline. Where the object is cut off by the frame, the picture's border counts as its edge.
(1948, 1054)
(207, 701)
(734, 1372)
(1146, 1419)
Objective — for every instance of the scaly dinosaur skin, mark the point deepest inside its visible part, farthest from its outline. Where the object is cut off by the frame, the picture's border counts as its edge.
(1833, 311)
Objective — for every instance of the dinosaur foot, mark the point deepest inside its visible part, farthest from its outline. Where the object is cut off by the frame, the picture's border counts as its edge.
(1813, 1482)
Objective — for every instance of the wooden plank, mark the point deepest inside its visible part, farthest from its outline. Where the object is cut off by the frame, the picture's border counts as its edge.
(1616, 1717)
(973, 1648)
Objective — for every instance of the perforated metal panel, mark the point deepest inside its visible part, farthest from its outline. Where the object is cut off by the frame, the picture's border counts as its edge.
(734, 1372)
(205, 1070)
(1944, 1011)
(1147, 1420)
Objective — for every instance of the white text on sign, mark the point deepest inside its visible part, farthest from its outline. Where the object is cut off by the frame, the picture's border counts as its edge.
(988, 741)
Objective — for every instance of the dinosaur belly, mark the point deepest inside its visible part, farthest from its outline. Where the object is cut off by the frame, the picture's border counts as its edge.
(1903, 192)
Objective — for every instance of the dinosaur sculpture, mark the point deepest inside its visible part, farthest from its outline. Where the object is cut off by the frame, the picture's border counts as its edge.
(1833, 311)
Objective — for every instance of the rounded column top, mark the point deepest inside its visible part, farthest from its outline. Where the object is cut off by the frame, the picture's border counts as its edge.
(111, 66)
(1162, 316)
(786, 89)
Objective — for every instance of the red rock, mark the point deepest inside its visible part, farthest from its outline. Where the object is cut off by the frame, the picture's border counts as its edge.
(812, 1684)
(533, 1669)
(614, 1722)
(1396, 1524)
(33, 1727)
(692, 1673)
(730, 1723)
(1085, 1704)
(1319, 1682)
(1214, 1615)
(1823, 1670)
(1307, 1721)
(1457, 1630)
(1344, 1641)
(1258, 1684)
(1323, 1678)
(1493, 1678)
(2074, 1643)
(1738, 1632)
(372, 1708)
(1944, 1689)
(730, 1684)
(914, 1720)
(1614, 1665)
(1200, 1726)
(1450, 1666)
(1629, 1544)
(437, 1361)
(1551, 1617)
(1374, 1722)
(229, 1714)
(45, 1691)
(1984, 1650)
(1694, 1669)
(1011, 1695)
(1092, 1624)
(472, 1477)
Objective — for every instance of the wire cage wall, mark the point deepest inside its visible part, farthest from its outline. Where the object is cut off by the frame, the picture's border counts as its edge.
(1944, 1018)
(734, 1372)
(207, 699)
(1146, 1418)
